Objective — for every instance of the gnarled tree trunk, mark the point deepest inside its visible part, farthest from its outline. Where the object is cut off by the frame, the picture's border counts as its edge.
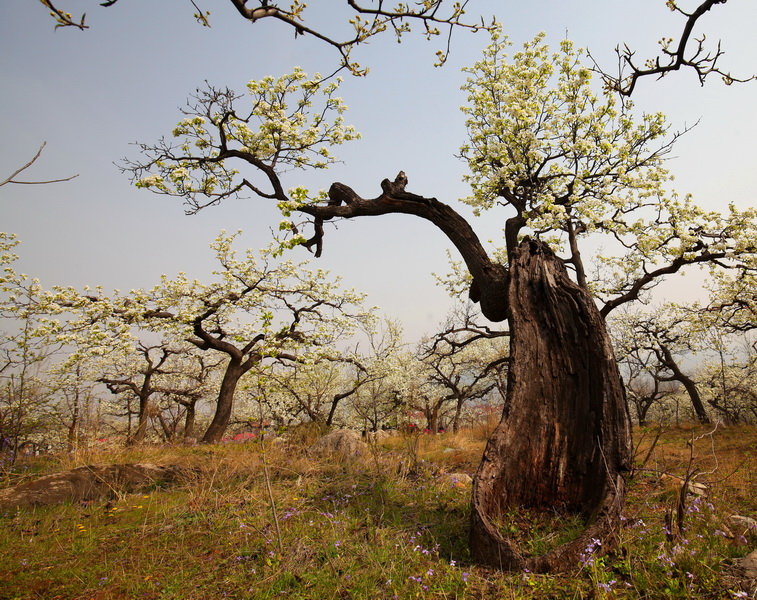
(225, 404)
(564, 439)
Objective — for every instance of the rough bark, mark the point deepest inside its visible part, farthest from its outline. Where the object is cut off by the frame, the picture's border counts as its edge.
(564, 438)
(234, 371)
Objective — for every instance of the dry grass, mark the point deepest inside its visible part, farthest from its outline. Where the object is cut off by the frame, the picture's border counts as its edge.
(383, 527)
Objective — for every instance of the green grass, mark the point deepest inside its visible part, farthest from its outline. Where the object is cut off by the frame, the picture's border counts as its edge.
(351, 530)
(536, 532)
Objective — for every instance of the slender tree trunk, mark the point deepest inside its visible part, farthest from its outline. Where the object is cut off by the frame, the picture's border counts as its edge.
(687, 382)
(564, 439)
(332, 410)
(217, 428)
(642, 415)
(432, 419)
(458, 412)
(168, 432)
(189, 421)
(72, 428)
(141, 431)
(696, 399)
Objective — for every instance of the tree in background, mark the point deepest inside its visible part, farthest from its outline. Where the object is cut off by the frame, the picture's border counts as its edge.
(464, 362)
(642, 373)
(27, 348)
(666, 338)
(194, 379)
(254, 310)
(729, 383)
(389, 367)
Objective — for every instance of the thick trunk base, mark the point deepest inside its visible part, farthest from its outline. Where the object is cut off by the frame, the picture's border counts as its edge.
(563, 444)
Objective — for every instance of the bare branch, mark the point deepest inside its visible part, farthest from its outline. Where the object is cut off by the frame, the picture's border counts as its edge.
(703, 61)
(10, 178)
(367, 22)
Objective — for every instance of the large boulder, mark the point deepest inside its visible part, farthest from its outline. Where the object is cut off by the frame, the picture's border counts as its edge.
(344, 443)
(88, 483)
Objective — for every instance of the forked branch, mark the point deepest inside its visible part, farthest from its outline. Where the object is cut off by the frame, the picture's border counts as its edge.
(12, 177)
(689, 52)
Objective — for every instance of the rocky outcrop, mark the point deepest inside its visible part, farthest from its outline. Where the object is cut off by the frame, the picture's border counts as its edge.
(89, 483)
(344, 443)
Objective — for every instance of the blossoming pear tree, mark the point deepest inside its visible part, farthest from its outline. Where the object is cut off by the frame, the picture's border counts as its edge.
(256, 309)
(661, 338)
(158, 375)
(642, 373)
(27, 346)
(464, 362)
(389, 368)
(729, 384)
(563, 163)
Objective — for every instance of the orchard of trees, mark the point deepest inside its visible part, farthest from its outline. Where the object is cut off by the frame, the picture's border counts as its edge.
(570, 343)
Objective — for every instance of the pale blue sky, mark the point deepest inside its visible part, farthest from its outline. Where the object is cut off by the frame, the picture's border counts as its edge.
(90, 94)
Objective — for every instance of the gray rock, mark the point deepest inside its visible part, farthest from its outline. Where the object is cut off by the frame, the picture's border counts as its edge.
(377, 436)
(742, 525)
(345, 443)
(748, 565)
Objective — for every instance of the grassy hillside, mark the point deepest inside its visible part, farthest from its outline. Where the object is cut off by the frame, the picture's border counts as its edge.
(271, 521)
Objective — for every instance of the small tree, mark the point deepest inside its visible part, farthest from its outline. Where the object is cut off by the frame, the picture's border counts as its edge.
(142, 378)
(255, 310)
(730, 385)
(464, 363)
(665, 336)
(27, 347)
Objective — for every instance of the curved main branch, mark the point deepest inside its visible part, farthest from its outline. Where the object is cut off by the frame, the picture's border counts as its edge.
(489, 285)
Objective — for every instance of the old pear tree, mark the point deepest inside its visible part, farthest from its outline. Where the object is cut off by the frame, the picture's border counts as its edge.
(562, 163)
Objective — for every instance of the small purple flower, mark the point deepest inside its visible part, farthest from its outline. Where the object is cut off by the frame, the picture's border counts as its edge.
(465, 576)
(606, 586)
(587, 556)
